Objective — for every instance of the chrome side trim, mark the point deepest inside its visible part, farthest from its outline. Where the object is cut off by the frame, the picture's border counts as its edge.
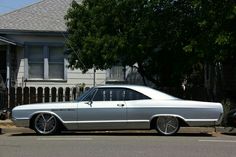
(108, 121)
(201, 120)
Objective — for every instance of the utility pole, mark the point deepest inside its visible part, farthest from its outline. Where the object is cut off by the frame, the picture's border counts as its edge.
(94, 76)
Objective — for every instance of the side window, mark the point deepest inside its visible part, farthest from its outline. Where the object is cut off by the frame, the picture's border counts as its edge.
(117, 94)
(134, 95)
(109, 94)
(101, 95)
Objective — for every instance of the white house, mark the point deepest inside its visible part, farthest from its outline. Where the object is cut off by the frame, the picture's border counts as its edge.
(32, 51)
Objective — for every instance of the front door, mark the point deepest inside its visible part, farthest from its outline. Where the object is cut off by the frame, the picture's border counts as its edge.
(105, 110)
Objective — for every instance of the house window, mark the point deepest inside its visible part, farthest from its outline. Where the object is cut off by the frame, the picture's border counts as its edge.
(116, 73)
(36, 62)
(56, 63)
(45, 62)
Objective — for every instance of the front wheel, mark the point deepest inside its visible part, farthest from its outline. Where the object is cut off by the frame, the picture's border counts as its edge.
(45, 123)
(167, 125)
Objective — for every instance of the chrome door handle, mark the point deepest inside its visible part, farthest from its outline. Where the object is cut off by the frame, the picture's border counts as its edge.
(120, 105)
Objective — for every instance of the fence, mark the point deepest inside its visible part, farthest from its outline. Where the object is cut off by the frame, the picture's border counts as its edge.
(29, 95)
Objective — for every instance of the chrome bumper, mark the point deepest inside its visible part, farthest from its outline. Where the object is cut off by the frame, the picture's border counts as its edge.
(218, 122)
(21, 122)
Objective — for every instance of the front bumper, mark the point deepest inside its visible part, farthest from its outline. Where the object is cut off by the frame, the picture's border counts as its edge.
(21, 122)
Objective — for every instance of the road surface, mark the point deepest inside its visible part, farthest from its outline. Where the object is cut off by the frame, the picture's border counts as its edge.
(117, 144)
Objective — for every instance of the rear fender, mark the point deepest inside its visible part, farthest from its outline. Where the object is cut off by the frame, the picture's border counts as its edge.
(182, 120)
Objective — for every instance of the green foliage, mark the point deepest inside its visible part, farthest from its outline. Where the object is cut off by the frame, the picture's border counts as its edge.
(165, 38)
(216, 22)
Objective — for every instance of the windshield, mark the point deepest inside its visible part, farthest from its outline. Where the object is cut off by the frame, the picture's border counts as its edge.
(81, 97)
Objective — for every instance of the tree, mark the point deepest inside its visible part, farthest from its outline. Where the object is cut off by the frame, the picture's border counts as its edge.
(216, 21)
(214, 44)
(150, 33)
(166, 39)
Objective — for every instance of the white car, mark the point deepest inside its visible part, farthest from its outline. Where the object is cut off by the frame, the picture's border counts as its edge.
(118, 107)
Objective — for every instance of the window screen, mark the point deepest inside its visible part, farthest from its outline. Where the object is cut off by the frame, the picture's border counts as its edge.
(36, 61)
(45, 62)
(56, 62)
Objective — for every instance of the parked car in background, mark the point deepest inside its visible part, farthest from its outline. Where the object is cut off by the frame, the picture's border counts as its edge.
(118, 107)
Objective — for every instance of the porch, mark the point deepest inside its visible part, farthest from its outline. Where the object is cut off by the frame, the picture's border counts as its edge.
(8, 66)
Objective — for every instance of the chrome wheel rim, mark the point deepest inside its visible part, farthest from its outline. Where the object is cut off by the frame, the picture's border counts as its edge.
(167, 125)
(45, 123)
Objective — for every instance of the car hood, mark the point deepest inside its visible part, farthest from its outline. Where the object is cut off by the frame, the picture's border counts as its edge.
(44, 106)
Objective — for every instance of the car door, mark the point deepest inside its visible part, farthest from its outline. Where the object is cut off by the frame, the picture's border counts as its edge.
(103, 109)
(138, 112)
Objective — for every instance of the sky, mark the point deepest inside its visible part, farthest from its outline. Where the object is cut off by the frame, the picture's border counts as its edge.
(10, 5)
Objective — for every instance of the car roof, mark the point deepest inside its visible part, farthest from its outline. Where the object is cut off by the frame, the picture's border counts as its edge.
(150, 92)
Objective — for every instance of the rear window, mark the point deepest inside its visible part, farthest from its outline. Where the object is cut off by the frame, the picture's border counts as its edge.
(134, 95)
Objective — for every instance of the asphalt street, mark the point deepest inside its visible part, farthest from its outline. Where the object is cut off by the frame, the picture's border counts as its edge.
(25, 143)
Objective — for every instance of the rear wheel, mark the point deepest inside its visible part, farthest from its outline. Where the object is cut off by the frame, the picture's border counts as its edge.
(45, 123)
(167, 125)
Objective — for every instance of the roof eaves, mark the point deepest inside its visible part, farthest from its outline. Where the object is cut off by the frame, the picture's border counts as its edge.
(9, 41)
(32, 32)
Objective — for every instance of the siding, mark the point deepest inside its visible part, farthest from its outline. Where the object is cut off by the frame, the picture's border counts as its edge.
(74, 77)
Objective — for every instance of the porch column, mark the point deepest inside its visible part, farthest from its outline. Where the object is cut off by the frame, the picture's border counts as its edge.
(8, 66)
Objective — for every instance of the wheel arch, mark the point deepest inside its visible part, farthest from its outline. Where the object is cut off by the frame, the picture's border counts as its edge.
(182, 121)
(33, 116)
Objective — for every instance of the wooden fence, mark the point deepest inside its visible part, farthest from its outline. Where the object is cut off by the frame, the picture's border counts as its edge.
(30, 95)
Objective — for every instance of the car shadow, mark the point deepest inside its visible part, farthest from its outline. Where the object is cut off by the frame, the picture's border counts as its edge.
(231, 131)
(116, 134)
(229, 134)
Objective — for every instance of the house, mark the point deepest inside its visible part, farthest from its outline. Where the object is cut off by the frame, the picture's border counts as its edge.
(32, 50)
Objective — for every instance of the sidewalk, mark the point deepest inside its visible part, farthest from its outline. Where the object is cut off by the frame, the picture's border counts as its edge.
(6, 124)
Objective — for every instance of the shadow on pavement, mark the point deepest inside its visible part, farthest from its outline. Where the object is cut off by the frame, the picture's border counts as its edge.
(115, 134)
(230, 134)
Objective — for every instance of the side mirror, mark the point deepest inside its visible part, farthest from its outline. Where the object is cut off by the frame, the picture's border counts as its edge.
(89, 103)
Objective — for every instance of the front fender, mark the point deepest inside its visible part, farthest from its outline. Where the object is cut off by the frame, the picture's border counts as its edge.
(49, 112)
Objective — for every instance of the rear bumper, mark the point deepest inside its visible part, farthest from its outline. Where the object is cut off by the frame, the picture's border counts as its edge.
(218, 122)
